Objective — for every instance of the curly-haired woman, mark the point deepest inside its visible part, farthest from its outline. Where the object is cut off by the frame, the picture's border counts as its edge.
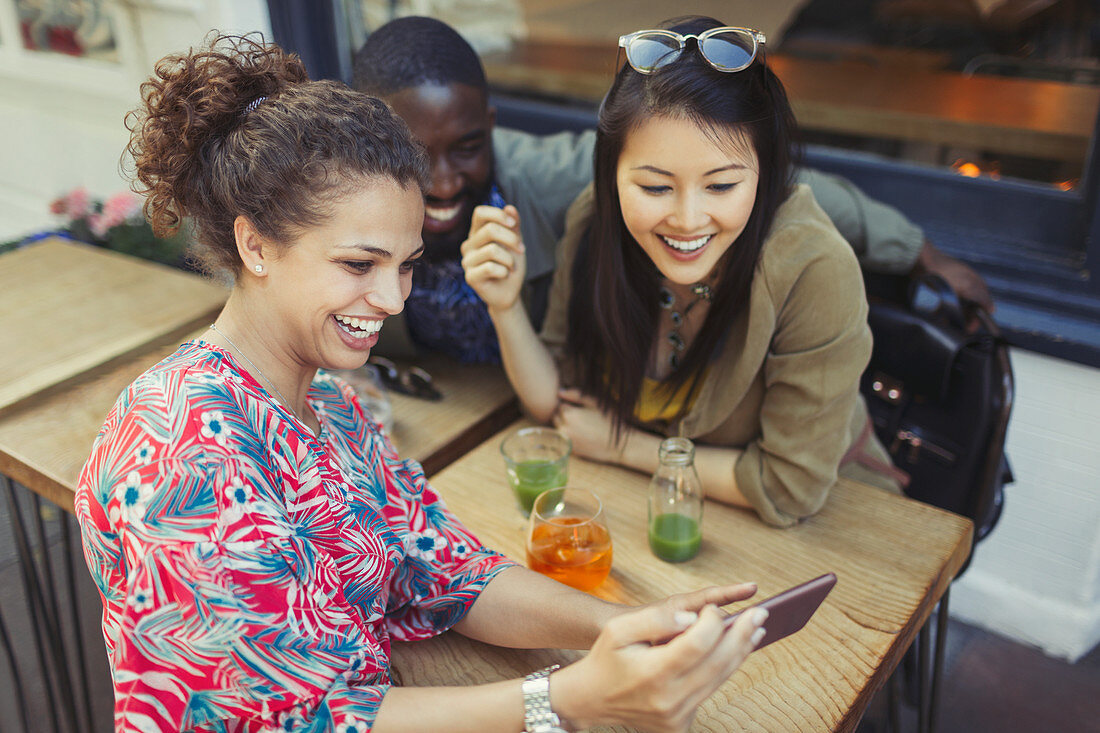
(256, 540)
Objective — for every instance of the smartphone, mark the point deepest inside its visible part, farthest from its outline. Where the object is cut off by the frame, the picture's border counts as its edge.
(790, 610)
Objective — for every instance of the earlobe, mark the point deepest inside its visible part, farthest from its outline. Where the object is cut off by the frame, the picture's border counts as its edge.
(250, 245)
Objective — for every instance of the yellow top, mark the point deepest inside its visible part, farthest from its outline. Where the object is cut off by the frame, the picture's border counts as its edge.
(655, 403)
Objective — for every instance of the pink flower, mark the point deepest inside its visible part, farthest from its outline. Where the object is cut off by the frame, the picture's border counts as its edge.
(118, 209)
(76, 204)
(122, 206)
(96, 225)
(99, 225)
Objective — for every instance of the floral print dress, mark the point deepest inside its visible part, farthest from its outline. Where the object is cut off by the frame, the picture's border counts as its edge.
(253, 574)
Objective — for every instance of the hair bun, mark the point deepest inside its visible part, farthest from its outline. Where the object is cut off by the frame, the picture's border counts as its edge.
(191, 101)
(236, 129)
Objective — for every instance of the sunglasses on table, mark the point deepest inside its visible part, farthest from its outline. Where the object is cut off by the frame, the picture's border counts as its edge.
(414, 381)
(726, 48)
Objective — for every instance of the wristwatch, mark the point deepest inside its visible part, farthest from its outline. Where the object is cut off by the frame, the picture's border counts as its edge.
(538, 717)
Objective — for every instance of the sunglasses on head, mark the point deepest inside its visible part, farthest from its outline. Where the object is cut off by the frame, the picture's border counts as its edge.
(727, 49)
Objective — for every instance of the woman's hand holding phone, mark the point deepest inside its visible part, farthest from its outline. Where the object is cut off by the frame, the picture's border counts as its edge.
(631, 678)
(493, 256)
(790, 610)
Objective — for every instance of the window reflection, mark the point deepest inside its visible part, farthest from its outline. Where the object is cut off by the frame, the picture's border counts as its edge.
(72, 27)
(488, 25)
(990, 88)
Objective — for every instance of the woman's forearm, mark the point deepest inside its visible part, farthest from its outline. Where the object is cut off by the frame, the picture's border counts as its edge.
(640, 659)
(518, 608)
(528, 363)
(639, 450)
(524, 610)
(714, 464)
(477, 708)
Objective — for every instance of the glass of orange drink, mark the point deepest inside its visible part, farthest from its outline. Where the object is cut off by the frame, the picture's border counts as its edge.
(568, 538)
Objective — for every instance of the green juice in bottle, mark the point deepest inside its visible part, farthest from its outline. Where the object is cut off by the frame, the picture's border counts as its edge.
(675, 503)
(674, 537)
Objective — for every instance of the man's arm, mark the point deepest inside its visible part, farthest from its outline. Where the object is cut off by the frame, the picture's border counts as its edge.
(886, 241)
(541, 175)
(963, 279)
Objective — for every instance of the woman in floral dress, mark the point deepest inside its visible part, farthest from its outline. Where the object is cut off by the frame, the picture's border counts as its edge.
(256, 540)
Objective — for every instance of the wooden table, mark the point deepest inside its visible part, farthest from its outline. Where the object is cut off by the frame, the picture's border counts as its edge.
(893, 557)
(44, 442)
(68, 307)
(77, 325)
(477, 402)
(1038, 119)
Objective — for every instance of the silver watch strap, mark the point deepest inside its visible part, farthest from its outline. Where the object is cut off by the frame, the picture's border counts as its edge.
(538, 717)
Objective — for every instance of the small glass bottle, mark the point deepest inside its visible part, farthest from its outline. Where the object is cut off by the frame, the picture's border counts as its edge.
(675, 503)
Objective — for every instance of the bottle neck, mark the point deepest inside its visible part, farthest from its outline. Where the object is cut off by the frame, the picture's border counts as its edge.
(676, 452)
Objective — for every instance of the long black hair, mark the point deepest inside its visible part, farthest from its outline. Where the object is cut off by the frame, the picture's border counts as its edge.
(614, 308)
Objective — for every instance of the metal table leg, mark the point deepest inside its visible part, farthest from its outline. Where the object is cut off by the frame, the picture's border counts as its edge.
(74, 617)
(893, 701)
(17, 679)
(937, 658)
(923, 651)
(47, 632)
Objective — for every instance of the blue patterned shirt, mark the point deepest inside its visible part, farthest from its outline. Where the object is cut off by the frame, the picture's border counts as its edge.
(444, 313)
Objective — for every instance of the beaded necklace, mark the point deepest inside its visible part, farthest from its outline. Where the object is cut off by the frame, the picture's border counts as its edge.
(702, 292)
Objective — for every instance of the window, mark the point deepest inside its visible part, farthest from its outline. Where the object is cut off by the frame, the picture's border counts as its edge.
(976, 118)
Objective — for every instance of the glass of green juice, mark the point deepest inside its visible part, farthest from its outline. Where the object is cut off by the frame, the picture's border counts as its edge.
(536, 459)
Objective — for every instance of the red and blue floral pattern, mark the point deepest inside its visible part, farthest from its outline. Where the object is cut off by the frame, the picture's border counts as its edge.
(253, 574)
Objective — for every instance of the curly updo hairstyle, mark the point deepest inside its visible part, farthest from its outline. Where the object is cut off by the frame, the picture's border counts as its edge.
(236, 128)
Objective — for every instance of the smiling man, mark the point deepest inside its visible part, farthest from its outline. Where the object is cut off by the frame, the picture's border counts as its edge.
(434, 80)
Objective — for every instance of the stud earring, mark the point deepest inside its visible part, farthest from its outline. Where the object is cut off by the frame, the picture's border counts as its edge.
(258, 267)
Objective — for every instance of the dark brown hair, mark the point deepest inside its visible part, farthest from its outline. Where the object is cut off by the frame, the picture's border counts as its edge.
(201, 151)
(613, 311)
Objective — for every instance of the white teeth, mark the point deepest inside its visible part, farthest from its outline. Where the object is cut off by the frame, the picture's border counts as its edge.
(689, 245)
(360, 327)
(443, 214)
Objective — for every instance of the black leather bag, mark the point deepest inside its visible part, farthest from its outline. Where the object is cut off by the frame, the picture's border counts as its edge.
(940, 400)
